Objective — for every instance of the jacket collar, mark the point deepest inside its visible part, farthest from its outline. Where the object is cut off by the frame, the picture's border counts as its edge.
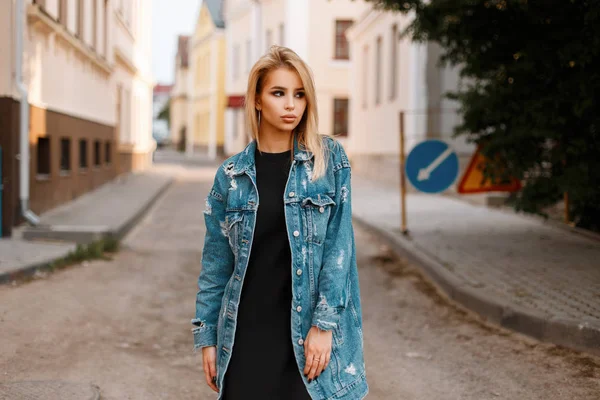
(246, 159)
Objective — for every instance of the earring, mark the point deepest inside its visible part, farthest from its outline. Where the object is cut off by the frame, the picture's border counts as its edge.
(258, 117)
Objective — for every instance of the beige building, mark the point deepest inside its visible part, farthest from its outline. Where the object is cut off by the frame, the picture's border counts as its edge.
(392, 74)
(315, 30)
(207, 81)
(180, 95)
(75, 98)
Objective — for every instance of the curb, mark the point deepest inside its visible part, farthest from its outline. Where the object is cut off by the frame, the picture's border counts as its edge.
(581, 336)
(91, 237)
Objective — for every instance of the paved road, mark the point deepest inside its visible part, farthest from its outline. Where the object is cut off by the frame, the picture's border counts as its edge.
(123, 324)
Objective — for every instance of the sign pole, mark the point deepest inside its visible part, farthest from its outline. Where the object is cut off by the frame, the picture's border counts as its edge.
(402, 177)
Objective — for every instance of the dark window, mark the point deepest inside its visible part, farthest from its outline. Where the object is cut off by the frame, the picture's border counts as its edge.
(97, 159)
(378, 72)
(281, 35)
(340, 117)
(80, 16)
(43, 156)
(342, 49)
(65, 154)
(394, 64)
(83, 154)
(107, 152)
(63, 12)
(95, 24)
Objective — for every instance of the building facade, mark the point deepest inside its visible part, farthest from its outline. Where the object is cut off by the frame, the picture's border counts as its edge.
(85, 80)
(313, 29)
(180, 95)
(207, 78)
(393, 74)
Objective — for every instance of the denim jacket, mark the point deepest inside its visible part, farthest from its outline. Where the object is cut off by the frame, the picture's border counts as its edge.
(325, 288)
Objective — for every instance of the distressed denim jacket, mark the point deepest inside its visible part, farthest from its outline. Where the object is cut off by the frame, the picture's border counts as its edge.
(325, 287)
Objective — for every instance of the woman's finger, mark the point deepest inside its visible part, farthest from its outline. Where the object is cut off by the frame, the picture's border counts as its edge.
(309, 362)
(313, 368)
(208, 364)
(321, 365)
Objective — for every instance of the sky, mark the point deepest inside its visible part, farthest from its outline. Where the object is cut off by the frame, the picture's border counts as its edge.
(169, 19)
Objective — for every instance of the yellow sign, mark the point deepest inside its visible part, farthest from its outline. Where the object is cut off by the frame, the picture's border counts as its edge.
(472, 180)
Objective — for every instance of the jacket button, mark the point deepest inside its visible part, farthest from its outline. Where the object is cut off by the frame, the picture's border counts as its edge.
(292, 194)
(300, 342)
(322, 210)
(298, 272)
(299, 308)
(296, 233)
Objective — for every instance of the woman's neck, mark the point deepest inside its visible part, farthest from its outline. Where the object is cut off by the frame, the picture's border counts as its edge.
(275, 142)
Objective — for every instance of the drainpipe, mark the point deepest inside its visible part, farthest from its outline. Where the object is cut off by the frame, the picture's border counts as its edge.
(23, 118)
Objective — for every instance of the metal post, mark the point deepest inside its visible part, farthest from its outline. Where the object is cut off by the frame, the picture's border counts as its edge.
(403, 226)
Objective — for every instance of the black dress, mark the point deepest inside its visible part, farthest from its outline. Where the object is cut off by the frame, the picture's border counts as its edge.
(262, 364)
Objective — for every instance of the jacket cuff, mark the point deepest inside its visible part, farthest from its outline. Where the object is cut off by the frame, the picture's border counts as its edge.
(326, 318)
(204, 336)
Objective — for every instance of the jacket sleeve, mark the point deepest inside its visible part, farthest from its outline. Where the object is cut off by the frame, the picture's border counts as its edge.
(217, 267)
(338, 252)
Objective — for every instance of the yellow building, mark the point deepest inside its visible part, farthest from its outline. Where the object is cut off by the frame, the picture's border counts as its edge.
(207, 80)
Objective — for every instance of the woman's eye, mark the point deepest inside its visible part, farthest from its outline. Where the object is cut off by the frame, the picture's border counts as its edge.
(300, 95)
(278, 93)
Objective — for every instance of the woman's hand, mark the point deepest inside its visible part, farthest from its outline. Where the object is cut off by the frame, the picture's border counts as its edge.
(209, 357)
(317, 350)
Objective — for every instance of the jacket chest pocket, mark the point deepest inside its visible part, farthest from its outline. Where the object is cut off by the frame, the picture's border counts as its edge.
(315, 217)
(232, 229)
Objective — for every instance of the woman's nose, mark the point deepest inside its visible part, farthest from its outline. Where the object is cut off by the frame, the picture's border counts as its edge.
(290, 104)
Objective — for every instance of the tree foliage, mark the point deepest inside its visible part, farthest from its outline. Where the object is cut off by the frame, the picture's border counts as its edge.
(531, 70)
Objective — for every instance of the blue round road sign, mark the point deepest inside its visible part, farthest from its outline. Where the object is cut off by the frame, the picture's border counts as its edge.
(432, 166)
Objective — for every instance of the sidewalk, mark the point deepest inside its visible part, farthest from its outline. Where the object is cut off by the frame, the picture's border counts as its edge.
(109, 211)
(516, 271)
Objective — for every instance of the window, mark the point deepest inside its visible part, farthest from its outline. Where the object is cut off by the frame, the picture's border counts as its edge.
(80, 16)
(107, 153)
(83, 154)
(281, 35)
(95, 24)
(268, 40)
(394, 62)
(365, 77)
(378, 72)
(248, 55)
(342, 49)
(235, 65)
(43, 156)
(105, 20)
(65, 155)
(97, 158)
(63, 7)
(340, 117)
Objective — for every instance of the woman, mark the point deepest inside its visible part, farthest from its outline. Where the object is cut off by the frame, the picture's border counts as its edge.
(279, 225)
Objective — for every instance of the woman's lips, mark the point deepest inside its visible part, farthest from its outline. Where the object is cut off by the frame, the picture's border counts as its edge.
(288, 119)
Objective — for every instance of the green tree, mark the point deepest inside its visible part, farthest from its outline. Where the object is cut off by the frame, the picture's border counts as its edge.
(532, 74)
(165, 113)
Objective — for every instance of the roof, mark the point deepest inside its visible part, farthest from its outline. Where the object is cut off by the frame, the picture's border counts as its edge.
(182, 50)
(162, 89)
(215, 7)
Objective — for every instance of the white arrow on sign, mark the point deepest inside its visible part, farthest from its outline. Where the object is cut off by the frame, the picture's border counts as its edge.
(424, 173)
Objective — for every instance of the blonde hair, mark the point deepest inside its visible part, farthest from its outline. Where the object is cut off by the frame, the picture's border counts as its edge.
(306, 131)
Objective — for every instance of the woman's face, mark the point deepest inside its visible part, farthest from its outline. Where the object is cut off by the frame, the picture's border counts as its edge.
(282, 100)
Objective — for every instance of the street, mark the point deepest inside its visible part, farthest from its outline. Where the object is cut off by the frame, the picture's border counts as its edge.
(123, 323)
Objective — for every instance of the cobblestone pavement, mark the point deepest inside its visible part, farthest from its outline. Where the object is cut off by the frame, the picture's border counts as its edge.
(123, 324)
(515, 259)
